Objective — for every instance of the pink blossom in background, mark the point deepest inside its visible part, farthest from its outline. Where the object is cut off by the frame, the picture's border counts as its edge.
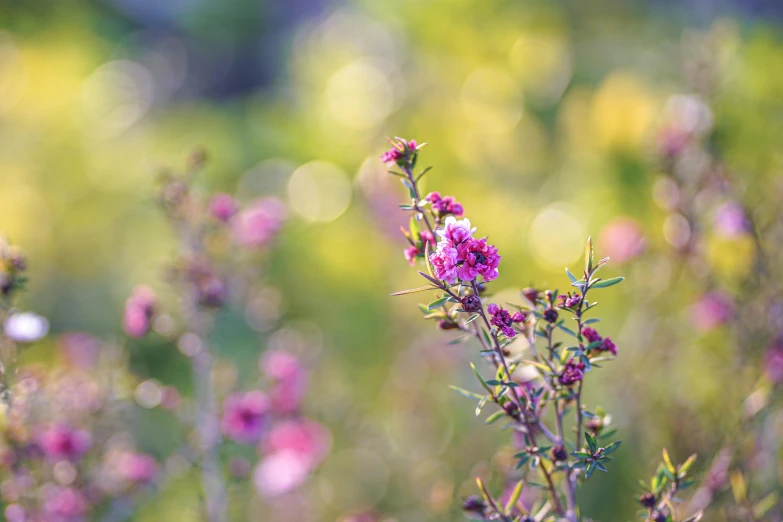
(15, 513)
(80, 349)
(255, 226)
(63, 442)
(62, 504)
(773, 361)
(712, 310)
(138, 468)
(730, 221)
(280, 473)
(305, 437)
(244, 416)
(290, 380)
(622, 240)
(139, 310)
(222, 207)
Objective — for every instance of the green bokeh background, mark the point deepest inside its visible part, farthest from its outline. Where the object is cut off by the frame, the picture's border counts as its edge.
(541, 119)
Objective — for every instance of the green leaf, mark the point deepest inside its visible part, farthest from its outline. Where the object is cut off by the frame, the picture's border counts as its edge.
(668, 462)
(571, 276)
(590, 470)
(414, 229)
(481, 404)
(495, 417)
(607, 282)
(472, 318)
(764, 505)
(685, 466)
(611, 448)
(423, 173)
(437, 303)
(466, 393)
(590, 442)
(600, 466)
(414, 290)
(514, 498)
(481, 379)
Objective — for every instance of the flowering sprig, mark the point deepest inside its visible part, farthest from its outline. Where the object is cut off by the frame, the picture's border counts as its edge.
(457, 272)
(660, 494)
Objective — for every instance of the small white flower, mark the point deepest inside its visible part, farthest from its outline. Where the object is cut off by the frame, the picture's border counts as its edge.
(26, 327)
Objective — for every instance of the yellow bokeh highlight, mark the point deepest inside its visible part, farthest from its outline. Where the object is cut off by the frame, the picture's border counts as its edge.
(622, 112)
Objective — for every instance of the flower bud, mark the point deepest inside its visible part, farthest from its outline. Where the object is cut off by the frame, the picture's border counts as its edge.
(647, 500)
(550, 314)
(559, 453)
(447, 324)
(471, 303)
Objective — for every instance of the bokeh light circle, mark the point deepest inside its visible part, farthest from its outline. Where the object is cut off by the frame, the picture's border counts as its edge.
(359, 95)
(556, 236)
(319, 191)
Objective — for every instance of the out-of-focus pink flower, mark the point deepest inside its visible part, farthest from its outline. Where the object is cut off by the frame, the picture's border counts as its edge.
(255, 226)
(622, 239)
(222, 207)
(80, 349)
(139, 310)
(730, 220)
(773, 361)
(305, 437)
(712, 310)
(15, 513)
(290, 380)
(244, 416)
(63, 442)
(62, 504)
(281, 473)
(138, 468)
(572, 373)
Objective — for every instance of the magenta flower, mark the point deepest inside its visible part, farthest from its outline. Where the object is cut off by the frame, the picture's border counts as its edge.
(456, 231)
(445, 263)
(569, 301)
(139, 310)
(730, 221)
(244, 416)
(222, 207)
(255, 226)
(478, 258)
(444, 206)
(608, 346)
(590, 334)
(398, 152)
(773, 361)
(64, 504)
(15, 513)
(60, 441)
(411, 253)
(572, 373)
(504, 320)
(712, 310)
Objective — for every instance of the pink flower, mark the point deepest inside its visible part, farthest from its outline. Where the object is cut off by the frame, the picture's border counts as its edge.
(773, 361)
(60, 441)
(304, 437)
(244, 416)
(280, 473)
(456, 231)
(622, 239)
(139, 310)
(572, 373)
(258, 224)
(478, 258)
(80, 349)
(444, 206)
(139, 468)
(712, 310)
(445, 263)
(411, 253)
(608, 346)
(730, 221)
(222, 207)
(398, 152)
(590, 334)
(294, 449)
(290, 378)
(63, 504)
(569, 301)
(15, 513)
(504, 320)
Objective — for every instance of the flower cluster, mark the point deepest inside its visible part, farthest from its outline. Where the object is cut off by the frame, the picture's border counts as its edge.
(554, 374)
(461, 256)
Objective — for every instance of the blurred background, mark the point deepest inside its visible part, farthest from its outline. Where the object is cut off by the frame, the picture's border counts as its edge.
(543, 118)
